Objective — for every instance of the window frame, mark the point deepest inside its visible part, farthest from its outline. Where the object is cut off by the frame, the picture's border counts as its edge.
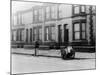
(47, 33)
(14, 35)
(39, 33)
(35, 15)
(76, 31)
(40, 15)
(74, 10)
(27, 33)
(34, 33)
(54, 12)
(84, 8)
(48, 13)
(81, 31)
(52, 33)
(31, 34)
(60, 11)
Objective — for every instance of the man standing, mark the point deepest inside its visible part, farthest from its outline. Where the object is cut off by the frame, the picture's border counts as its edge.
(36, 46)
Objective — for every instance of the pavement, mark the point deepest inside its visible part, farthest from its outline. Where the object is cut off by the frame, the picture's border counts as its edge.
(52, 52)
(23, 62)
(49, 53)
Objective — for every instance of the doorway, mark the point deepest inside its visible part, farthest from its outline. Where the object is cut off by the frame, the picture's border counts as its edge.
(66, 34)
(59, 34)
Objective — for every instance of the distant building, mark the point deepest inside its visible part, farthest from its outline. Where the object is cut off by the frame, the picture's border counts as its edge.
(59, 23)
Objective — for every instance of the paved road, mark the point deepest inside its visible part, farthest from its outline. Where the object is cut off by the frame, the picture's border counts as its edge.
(32, 64)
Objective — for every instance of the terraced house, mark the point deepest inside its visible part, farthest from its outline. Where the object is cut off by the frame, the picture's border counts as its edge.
(54, 23)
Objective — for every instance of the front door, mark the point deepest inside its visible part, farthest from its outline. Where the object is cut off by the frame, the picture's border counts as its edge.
(66, 34)
(59, 34)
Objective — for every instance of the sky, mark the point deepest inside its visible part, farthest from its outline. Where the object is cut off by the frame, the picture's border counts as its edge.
(21, 5)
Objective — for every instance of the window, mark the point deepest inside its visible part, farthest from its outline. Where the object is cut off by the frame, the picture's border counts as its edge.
(47, 12)
(46, 33)
(82, 8)
(18, 18)
(76, 10)
(18, 37)
(40, 14)
(50, 33)
(35, 34)
(79, 31)
(54, 12)
(14, 35)
(22, 35)
(63, 11)
(35, 15)
(94, 9)
(15, 20)
(40, 34)
(26, 35)
(27, 18)
(83, 30)
(30, 34)
(60, 11)
(87, 9)
(53, 33)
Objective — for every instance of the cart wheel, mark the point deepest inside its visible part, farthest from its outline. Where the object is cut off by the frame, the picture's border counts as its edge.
(73, 56)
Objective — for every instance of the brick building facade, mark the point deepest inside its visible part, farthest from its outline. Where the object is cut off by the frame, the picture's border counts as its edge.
(55, 23)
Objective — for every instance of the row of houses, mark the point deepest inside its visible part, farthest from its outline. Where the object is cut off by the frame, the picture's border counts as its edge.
(54, 23)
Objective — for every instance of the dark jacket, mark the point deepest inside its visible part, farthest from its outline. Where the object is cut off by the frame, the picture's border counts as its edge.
(36, 44)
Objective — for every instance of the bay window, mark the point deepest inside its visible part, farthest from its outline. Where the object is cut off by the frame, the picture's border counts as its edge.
(79, 31)
(83, 25)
